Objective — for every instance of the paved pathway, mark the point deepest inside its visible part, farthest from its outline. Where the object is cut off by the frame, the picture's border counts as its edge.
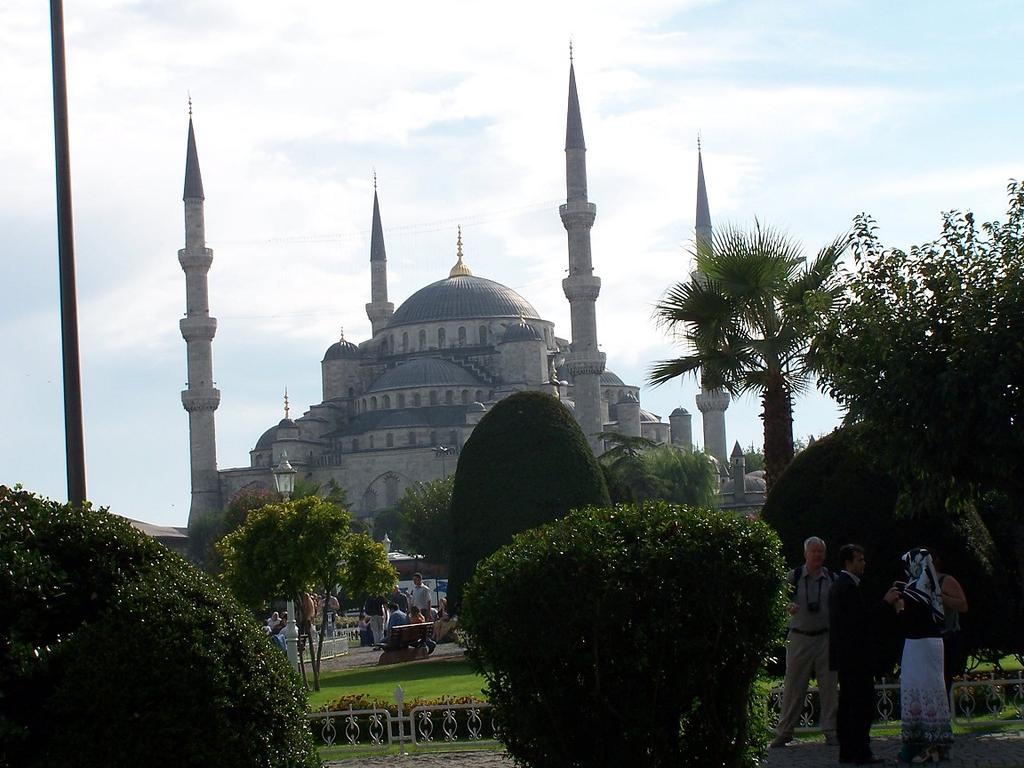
(990, 750)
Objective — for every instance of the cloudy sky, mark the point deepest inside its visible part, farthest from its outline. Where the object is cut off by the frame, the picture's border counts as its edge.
(809, 113)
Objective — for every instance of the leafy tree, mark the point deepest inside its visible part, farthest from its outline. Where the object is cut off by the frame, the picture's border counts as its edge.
(425, 511)
(389, 522)
(840, 489)
(113, 650)
(640, 470)
(748, 318)
(525, 464)
(631, 479)
(682, 477)
(205, 533)
(928, 350)
(672, 685)
(295, 546)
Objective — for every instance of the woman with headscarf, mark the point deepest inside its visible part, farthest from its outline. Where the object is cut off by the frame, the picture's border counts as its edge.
(926, 732)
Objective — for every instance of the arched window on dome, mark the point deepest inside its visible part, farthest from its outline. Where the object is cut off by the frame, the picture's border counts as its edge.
(351, 393)
(440, 338)
(465, 397)
(449, 397)
(355, 444)
(405, 342)
(462, 336)
(373, 403)
(482, 332)
(433, 397)
(389, 440)
(386, 404)
(401, 401)
(391, 343)
(371, 442)
(423, 339)
(417, 400)
(479, 396)
(411, 438)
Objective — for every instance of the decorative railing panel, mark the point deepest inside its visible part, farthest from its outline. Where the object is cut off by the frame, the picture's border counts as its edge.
(991, 701)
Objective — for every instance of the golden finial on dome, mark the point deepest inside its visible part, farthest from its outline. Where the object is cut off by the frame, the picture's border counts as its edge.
(286, 402)
(460, 269)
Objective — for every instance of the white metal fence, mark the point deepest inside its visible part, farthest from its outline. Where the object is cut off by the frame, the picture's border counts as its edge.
(996, 700)
(984, 702)
(419, 725)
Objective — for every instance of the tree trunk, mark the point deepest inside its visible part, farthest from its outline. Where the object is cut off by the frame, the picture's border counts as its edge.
(778, 428)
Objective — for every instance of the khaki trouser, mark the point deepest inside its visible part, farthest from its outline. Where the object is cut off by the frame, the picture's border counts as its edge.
(807, 656)
(377, 628)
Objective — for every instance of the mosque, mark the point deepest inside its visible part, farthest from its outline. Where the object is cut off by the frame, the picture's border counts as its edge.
(398, 407)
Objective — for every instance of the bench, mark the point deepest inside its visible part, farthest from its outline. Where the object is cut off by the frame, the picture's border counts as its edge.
(406, 642)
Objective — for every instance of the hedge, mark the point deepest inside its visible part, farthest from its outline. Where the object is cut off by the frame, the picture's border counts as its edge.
(526, 463)
(117, 652)
(628, 636)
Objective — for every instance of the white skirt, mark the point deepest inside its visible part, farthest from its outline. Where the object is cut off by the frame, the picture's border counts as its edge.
(923, 702)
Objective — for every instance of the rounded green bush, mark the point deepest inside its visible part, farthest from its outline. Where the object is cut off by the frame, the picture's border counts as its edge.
(526, 463)
(628, 636)
(835, 489)
(117, 652)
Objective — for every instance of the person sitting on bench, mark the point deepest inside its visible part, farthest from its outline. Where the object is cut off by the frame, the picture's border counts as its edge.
(416, 617)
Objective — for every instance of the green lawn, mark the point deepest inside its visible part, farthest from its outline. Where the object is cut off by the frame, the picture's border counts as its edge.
(420, 680)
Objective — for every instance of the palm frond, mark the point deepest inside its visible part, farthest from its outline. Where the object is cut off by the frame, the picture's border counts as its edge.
(666, 370)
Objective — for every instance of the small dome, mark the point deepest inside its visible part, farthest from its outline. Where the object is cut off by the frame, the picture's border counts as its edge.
(521, 331)
(610, 379)
(424, 372)
(751, 484)
(341, 350)
(268, 438)
(680, 412)
(476, 408)
(628, 398)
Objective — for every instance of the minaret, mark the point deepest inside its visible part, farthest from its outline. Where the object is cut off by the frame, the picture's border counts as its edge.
(198, 328)
(711, 402)
(585, 362)
(379, 310)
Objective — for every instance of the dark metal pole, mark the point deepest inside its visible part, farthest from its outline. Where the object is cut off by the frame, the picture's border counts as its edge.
(74, 434)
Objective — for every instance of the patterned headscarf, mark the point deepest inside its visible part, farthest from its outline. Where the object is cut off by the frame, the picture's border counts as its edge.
(923, 583)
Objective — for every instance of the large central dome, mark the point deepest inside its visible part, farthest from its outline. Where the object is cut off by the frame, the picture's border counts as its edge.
(462, 297)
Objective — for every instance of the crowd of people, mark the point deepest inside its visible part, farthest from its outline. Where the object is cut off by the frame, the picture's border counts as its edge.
(832, 631)
(380, 615)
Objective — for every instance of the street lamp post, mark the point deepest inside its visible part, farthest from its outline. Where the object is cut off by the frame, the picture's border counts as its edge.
(284, 476)
(284, 479)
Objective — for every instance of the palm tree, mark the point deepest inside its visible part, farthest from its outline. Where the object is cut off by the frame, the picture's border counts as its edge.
(748, 315)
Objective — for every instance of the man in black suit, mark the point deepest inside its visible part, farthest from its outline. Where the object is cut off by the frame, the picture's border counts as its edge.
(850, 643)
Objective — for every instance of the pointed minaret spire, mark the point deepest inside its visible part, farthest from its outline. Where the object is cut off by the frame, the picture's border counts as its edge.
(193, 178)
(379, 310)
(712, 403)
(377, 252)
(703, 219)
(585, 361)
(573, 123)
(286, 408)
(200, 399)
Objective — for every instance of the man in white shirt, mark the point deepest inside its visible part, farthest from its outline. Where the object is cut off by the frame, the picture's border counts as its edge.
(420, 597)
(807, 645)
